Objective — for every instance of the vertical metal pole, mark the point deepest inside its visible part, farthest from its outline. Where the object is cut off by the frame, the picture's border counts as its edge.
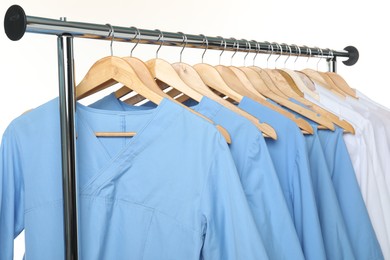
(68, 145)
(332, 64)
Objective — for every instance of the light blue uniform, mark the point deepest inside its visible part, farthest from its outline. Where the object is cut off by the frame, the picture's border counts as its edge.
(170, 192)
(289, 155)
(360, 231)
(256, 171)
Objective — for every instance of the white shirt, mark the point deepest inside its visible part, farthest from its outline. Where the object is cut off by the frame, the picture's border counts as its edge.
(381, 128)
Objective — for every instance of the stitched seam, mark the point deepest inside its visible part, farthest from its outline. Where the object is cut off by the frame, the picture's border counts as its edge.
(51, 204)
(144, 206)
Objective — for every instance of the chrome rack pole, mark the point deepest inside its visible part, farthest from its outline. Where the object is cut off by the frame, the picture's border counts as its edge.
(68, 144)
(20, 23)
(15, 25)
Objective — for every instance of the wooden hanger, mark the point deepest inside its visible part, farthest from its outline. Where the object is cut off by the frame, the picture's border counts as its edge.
(289, 104)
(107, 72)
(212, 78)
(323, 81)
(310, 85)
(342, 84)
(297, 81)
(147, 78)
(336, 82)
(323, 112)
(189, 75)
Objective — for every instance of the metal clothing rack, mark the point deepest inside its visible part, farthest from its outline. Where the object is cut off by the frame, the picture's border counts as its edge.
(17, 23)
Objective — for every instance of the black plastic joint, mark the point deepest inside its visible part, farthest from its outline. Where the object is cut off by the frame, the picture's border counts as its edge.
(15, 22)
(353, 55)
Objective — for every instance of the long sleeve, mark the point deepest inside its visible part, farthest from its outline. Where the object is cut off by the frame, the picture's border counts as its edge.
(305, 212)
(269, 208)
(11, 195)
(229, 229)
(359, 227)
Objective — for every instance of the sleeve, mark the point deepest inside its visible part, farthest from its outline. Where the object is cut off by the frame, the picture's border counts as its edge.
(11, 195)
(360, 230)
(229, 229)
(305, 216)
(265, 197)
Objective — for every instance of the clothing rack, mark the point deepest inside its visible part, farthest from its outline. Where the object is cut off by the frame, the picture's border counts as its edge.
(17, 23)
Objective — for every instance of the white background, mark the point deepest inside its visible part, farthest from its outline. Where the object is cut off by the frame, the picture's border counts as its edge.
(28, 68)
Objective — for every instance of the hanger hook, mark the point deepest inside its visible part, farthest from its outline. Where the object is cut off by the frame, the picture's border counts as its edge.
(331, 55)
(112, 34)
(322, 54)
(298, 49)
(205, 40)
(247, 47)
(184, 42)
(223, 41)
(308, 50)
(281, 52)
(137, 35)
(161, 39)
(238, 46)
(257, 50)
(270, 47)
(289, 53)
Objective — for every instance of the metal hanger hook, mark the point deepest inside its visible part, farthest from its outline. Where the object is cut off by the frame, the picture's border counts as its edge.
(281, 52)
(322, 54)
(298, 49)
(331, 55)
(247, 47)
(137, 35)
(112, 34)
(223, 41)
(184, 43)
(161, 39)
(257, 50)
(270, 47)
(205, 40)
(289, 53)
(238, 46)
(308, 51)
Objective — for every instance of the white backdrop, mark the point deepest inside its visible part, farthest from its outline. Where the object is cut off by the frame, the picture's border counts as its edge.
(29, 67)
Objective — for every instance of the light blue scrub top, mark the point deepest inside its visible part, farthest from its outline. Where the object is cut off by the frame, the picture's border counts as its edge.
(360, 231)
(290, 159)
(256, 171)
(170, 192)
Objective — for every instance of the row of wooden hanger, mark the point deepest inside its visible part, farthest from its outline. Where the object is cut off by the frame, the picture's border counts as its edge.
(224, 84)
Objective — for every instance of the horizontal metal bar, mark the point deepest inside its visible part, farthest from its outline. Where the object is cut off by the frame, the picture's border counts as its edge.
(127, 34)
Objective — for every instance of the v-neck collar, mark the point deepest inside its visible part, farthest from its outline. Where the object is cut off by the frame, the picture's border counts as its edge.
(161, 117)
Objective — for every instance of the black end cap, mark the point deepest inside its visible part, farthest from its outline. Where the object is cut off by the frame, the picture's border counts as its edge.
(353, 55)
(15, 22)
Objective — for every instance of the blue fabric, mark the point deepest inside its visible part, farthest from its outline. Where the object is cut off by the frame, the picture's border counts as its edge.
(256, 171)
(336, 240)
(170, 192)
(358, 226)
(289, 155)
